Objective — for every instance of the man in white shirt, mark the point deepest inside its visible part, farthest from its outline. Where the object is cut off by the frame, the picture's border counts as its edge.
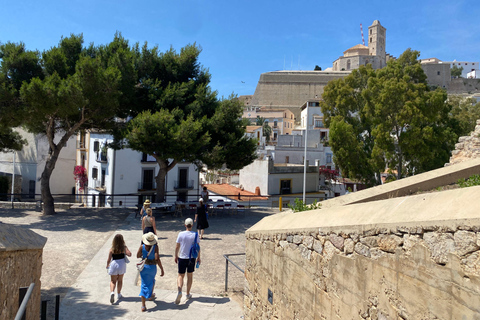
(186, 264)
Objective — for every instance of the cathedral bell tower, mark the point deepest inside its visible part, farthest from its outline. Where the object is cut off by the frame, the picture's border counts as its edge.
(376, 42)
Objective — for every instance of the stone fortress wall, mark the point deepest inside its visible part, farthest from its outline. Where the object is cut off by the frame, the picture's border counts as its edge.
(415, 257)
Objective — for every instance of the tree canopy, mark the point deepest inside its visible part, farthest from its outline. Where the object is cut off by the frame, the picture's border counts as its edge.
(456, 72)
(183, 119)
(388, 119)
(466, 111)
(68, 88)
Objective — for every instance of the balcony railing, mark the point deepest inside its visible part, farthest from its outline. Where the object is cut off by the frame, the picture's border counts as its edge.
(102, 157)
(147, 185)
(183, 184)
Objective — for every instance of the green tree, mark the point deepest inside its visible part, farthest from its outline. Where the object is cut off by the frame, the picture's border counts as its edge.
(267, 130)
(72, 90)
(456, 72)
(397, 122)
(183, 119)
(317, 68)
(16, 66)
(466, 111)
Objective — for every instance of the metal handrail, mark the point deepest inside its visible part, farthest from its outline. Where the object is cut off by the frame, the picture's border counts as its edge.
(227, 259)
(23, 306)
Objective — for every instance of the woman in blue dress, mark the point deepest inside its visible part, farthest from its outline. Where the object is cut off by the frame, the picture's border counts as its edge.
(149, 250)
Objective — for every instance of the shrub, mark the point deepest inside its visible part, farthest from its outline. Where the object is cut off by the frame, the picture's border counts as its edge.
(470, 182)
(299, 205)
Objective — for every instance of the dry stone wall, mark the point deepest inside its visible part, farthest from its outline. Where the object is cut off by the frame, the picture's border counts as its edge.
(401, 272)
(467, 147)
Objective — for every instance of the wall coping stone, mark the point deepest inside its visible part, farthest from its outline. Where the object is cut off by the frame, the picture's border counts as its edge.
(13, 238)
(406, 186)
(444, 209)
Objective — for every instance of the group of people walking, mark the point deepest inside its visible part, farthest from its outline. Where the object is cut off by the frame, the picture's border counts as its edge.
(148, 250)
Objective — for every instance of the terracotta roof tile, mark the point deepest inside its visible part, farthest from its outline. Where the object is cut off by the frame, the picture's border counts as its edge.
(231, 192)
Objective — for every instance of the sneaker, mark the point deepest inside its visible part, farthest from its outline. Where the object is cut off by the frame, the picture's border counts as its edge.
(179, 296)
(119, 296)
(188, 296)
(112, 298)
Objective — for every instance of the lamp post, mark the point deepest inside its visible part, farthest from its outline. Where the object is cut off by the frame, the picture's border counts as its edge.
(13, 179)
(305, 160)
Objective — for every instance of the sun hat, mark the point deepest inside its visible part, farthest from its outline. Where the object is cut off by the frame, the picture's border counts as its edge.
(189, 222)
(149, 239)
(146, 203)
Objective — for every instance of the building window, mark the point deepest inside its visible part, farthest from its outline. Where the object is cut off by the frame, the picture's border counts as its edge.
(275, 123)
(318, 122)
(94, 173)
(438, 73)
(329, 158)
(348, 64)
(103, 177)
(275, 136)
(96, 146)
(285, 186)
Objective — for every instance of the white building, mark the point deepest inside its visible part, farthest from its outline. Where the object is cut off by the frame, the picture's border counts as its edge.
(30, 163)
(467, 66)
(278, 179)
(127, 177)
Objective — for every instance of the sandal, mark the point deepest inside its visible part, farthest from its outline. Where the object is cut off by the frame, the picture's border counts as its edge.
(144, 308)
(152, 297)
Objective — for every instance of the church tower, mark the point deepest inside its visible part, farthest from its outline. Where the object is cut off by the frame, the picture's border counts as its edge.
(376, 42)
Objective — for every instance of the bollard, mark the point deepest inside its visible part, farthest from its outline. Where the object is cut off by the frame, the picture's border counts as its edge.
(280, 204)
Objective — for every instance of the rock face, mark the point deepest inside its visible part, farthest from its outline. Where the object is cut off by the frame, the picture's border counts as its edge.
(374, 274)
(468, 147)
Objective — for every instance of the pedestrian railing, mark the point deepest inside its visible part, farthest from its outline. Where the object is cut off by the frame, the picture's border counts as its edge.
(227, 260)
(25, 294)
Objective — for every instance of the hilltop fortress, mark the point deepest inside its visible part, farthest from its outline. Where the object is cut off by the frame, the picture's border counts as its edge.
(290, 89)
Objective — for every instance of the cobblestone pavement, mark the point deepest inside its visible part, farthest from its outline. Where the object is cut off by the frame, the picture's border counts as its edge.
(78, 241)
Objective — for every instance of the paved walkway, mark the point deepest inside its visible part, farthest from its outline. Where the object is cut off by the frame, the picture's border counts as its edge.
(79, 240)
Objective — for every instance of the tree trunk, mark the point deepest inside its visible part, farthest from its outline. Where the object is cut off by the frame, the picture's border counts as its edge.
(47, 198)
(160, 178)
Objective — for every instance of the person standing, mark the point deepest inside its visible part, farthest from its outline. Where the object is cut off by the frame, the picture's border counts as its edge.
(204, 194)
(185, 240)
(149, 251)
(117, 266)
(148, 223)
(143, 211)
(201, 218)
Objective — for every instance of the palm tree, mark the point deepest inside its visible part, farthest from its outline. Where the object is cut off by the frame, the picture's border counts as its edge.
(267, 130)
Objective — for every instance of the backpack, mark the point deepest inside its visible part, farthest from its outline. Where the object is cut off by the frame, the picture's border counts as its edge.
(195, 248)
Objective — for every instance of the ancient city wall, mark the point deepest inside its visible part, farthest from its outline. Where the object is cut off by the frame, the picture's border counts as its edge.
(20, 265)
(415, 257)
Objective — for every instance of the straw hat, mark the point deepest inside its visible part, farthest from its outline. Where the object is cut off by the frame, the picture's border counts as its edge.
(146, 203)
(149, 239)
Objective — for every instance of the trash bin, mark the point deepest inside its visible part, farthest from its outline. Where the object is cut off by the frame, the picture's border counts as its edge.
(39, 206)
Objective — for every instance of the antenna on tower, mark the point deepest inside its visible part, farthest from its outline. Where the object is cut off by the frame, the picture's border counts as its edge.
(361, 30)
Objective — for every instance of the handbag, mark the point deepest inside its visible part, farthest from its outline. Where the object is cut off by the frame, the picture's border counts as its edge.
(126, 259)
(141, 264)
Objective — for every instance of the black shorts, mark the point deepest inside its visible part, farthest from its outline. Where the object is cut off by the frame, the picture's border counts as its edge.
(186, 265)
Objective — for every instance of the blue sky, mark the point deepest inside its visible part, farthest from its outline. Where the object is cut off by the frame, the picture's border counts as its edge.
(242, 39)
